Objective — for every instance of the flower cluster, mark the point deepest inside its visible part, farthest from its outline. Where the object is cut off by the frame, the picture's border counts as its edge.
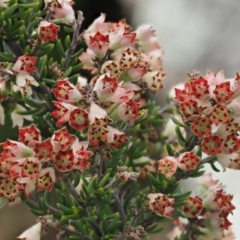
(209, 211)
(131, 57)
(211, 105)
(32, 163)
(76, 105)
(186, 161)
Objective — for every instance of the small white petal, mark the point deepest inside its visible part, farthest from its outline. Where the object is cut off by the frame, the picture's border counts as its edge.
(33, 233)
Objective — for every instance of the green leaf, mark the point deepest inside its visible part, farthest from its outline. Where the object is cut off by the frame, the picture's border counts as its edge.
(180, 137)
(77, 67)
(46, 197)
(3, 201)
(32, 205)
(104, 180)
(68, 29)
(42, 61)
(31, 102)
(77, 237)
(60, 49)
(77, 178)
(67, 72)
(7, 50)
(28, 5)
(77, 54)
(153, 180)
(214, 168)
(114, 226)
(45, 49)
(179, 197)
(42, 204)
(176, 121)
(64, 209)
(169, 149)
(67, 41)
(49, 81)
(6, 57)
(89, 219)
(9, 10)
(37, 212)
(28, 112)
(92, 186)
(73, 79)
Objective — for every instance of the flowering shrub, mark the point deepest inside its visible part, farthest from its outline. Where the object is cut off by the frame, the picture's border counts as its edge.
(90, 158)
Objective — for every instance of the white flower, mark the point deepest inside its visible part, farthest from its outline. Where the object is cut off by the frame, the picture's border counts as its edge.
(3, 3)
(18, 119)
(2, 116)
(24, 82)
(33, 233)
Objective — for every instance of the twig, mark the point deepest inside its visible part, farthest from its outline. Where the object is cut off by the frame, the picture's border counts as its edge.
(117, 207)
(166, 107)
(5, 73)
(100, 168)
(112, 183)
(76, 27)
(192, 144)
(53, 209)
(76, 196)
(190, 228)
(148, 221)
(134, 220)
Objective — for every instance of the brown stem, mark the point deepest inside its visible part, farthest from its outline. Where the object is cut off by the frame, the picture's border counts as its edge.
(76, 27)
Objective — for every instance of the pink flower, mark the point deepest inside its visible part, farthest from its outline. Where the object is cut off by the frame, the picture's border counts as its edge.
(29, 135)
(13, 150)
(79, 119)
(24, 66)
(63, 112)
(115, 138)
(125, 111)
(105, 87)
(64, 160)
(48, 31)
(61, 140)
(147, 38)
(193, 207)
(99, 44)
(44, 150)
(188, 161)
(8, 188)
(62, 10)
(46, 179)
(167, 166)
(66, 92)
(160, 204)
(88, 59)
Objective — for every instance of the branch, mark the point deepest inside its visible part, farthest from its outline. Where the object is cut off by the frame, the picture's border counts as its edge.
(100, 168)
(112, 183)
(192, 144)
(117, 207)
(76, 27)
(76, 196)
(134, 220)
(148, 221)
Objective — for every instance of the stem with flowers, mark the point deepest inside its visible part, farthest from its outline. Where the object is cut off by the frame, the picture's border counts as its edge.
(94, 158)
